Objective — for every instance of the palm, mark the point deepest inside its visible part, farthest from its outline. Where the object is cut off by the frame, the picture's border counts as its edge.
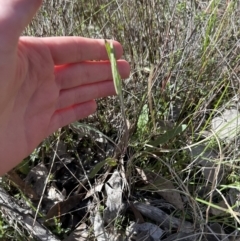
(45, 83)
(38, 94)
(50, 84)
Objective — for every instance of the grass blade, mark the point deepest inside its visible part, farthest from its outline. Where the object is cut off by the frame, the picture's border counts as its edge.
(116, 76)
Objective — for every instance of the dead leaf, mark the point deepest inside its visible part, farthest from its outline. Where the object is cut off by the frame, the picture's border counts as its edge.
(183, 237)
(37, 178)
(162, 186)
(81, 233)
(208, 159)
(96, 187)
(54, 194)
(24, 187)
(144, 232)
(63, 207)
(234, 194)
(226, 125)
(215, 232)
(138, 216)
(114, 189)
(216, 211)
(161, 218)
(99, 230)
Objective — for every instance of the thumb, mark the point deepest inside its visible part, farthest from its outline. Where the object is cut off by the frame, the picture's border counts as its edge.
(15, 15)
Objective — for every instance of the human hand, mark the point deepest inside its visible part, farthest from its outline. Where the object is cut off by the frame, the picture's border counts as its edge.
(45, 83)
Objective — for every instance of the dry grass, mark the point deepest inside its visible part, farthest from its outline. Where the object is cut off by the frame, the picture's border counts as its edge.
(184, 58)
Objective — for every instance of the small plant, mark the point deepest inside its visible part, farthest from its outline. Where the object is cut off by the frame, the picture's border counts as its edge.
(8, 231)
(57, 228)
(3, 227)
(118, 88)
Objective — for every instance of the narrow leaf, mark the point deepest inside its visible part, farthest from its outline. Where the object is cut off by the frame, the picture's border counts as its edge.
(116, 76)
(97, 168)
(109, 161)
(168, 135)
(143, 118)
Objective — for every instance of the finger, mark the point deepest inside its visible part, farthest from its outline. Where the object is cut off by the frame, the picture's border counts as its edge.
(85, 93)
(15, 15)
(67, 50)
(88, 72)
(73, 113)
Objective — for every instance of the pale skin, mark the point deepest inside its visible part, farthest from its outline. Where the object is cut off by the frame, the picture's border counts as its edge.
(45, 83)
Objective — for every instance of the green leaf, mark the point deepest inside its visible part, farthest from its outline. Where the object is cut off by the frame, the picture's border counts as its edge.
(96, 169)
(116, 76)
(24, 167)
(111, 161)
(143, 119)
(168, 135)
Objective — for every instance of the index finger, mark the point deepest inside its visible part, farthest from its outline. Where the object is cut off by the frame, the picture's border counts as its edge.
(66, 50)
